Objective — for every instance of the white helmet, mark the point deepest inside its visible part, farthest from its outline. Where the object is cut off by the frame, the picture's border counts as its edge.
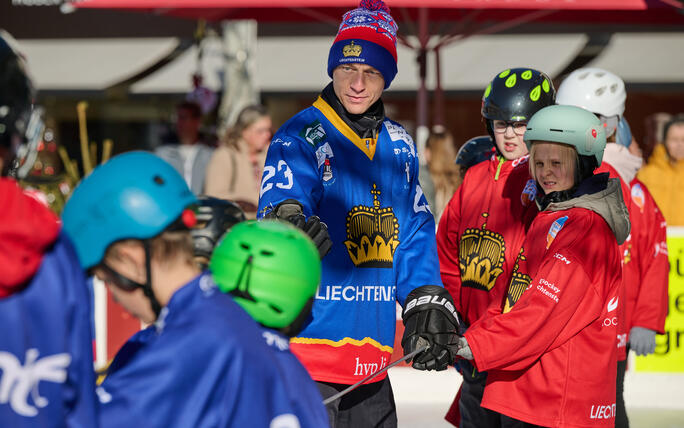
(593, 89)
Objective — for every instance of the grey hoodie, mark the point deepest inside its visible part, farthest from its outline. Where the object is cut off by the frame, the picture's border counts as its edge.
(607, 203)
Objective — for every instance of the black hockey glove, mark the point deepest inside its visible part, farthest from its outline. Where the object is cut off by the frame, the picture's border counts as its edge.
(292, 211)
(430, 318)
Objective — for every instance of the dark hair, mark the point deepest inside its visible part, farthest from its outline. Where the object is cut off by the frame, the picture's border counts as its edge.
(247, 117)
(192, 107)
(676, 120)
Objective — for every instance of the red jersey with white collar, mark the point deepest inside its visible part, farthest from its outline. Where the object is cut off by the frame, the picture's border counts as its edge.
(481, 231)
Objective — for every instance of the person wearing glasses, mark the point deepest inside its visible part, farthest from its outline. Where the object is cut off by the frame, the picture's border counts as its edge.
(483, 226)
(201, 362)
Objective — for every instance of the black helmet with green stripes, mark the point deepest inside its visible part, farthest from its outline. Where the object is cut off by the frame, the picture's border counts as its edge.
(272, 269)
(515, 94)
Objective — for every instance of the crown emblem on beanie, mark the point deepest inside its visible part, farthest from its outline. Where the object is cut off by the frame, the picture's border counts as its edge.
(351, 50)
(372, 234)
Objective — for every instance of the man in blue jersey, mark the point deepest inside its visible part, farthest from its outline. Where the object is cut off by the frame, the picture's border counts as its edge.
(345, 162)
(46, 360)
(272, 270)
(202, 361)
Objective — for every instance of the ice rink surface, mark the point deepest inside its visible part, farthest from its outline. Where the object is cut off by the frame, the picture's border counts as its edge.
(654, 400)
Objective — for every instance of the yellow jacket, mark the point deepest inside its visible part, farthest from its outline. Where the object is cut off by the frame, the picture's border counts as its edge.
(665, 181)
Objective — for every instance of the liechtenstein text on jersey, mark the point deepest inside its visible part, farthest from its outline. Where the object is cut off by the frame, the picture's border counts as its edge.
(357, 293)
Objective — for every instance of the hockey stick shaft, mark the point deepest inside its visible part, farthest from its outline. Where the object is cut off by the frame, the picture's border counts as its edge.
(374, 374)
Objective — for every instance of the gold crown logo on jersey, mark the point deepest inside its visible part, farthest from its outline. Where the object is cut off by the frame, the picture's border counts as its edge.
(372, 234)
(519, 283)
(351, 50)
(481, 257)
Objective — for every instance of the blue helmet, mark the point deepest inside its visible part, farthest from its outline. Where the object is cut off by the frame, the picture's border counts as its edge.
(474, 151)
(135, 195)
(624, 133)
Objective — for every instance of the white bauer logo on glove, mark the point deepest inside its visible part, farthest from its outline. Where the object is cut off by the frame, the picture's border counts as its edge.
(437, 300)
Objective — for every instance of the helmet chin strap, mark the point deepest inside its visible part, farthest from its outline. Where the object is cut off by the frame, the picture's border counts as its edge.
(147, 287)
(129, 285)
(298, 324)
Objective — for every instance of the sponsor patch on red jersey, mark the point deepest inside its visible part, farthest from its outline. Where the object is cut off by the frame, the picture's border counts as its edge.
(554, 229)
(638, 196)
(529, 192)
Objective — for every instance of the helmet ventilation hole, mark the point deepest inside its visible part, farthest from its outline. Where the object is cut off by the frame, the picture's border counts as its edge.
(600, 91)
(614, 88)
(600, 74)
(266, 253)
(584, 75)
(244, 246)
(158, 180)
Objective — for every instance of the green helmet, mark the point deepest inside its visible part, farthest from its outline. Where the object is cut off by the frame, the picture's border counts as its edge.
(569, 125)
(271, 268)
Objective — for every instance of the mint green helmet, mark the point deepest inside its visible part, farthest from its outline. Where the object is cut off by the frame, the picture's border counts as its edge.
(271, 268)
(569, 125)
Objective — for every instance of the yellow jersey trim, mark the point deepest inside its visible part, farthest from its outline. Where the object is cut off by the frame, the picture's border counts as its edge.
(366, 145)
(339, 343)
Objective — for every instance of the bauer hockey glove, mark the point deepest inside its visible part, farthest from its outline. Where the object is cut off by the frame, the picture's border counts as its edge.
(430, 319)
(292, 211)
(642, 340)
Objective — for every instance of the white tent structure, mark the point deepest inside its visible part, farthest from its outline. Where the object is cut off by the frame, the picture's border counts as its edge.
(294, 64)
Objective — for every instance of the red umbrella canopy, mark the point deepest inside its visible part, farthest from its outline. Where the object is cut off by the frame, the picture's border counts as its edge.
(568, 11)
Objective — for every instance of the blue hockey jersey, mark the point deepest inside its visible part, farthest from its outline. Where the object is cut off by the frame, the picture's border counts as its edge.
(203, 364)
(46, 360)
(367, 191)
(306, 398)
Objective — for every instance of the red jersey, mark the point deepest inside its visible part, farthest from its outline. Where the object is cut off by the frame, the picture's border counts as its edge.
(646, 250)
(551, 358)
(481, 231)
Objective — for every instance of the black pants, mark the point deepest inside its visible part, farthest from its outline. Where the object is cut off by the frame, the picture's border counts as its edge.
(621, 420)
(473, 415)
(368, 406)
